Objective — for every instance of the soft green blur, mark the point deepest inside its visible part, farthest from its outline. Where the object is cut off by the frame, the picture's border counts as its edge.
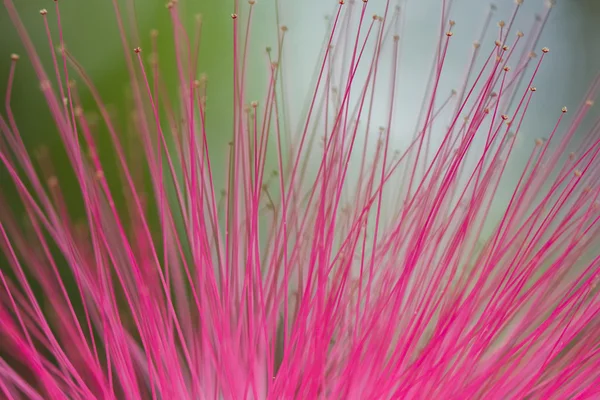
(91, 34)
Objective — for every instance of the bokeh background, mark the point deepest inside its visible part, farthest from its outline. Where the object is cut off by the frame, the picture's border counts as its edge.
(572, 32)
(91, 34)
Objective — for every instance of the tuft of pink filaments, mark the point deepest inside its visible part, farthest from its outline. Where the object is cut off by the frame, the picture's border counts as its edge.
(349, 271)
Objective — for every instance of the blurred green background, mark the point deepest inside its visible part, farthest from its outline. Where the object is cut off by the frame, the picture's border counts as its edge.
(91, 34)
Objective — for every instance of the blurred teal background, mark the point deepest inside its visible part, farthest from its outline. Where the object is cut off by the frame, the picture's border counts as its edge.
(572, 33)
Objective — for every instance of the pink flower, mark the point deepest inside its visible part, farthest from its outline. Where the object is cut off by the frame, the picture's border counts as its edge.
(347, 270)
